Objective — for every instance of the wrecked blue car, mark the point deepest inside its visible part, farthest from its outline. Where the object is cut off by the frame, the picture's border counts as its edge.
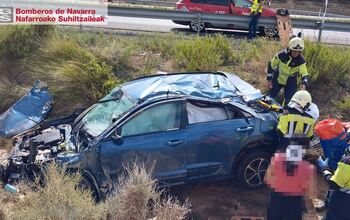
(189, 126)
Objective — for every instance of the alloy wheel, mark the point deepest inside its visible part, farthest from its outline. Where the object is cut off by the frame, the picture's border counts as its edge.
(270, 31)
(255, 172)
(197, 26)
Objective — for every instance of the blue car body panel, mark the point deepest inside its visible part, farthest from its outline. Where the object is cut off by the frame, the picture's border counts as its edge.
(27, 112)
(206, 150)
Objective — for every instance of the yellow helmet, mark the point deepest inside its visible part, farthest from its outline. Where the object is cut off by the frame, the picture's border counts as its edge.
(303, 98)
(296, 44)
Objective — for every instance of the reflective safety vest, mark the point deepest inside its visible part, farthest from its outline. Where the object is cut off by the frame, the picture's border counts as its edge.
(256, 6)
(342, 175)
(296, 124)
(287, 66)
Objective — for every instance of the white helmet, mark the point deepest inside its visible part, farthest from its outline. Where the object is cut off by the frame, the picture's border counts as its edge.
(303, 98)
(296, 44)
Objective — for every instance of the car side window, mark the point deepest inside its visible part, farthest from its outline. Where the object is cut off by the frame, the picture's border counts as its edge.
(202, 112)
(243, 3)
(212, 2)
(157, 118)
(233, 114)
(199, 1)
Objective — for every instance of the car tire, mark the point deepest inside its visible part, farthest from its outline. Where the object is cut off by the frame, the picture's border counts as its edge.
(197, 26)
(86, 184)
(269, 31)
(252, 168)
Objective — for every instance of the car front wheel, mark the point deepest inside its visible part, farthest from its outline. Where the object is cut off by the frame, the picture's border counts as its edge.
(86, 184)
(197, 26)
(252, 168)
(269, 31)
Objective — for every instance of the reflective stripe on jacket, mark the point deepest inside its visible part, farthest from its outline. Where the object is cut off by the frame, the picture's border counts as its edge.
(256, 6)
(296, 124)
(288, 66)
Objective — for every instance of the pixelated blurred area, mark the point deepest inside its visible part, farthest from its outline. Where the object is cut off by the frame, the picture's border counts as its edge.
(221, 201)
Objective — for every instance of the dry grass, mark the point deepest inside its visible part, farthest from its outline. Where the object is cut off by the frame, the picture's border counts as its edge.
(132, 195)
(136, 198)
(59, 199)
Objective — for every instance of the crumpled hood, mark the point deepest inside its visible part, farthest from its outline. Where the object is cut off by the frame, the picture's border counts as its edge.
(27, 112)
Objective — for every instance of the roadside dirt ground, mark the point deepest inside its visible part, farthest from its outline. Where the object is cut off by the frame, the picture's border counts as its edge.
(224, 199)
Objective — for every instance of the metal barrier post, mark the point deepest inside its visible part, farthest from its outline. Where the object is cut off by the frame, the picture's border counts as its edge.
(324, 15)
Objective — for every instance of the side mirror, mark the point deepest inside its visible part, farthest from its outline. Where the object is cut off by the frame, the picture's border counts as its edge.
(117, 134)
(116, 137)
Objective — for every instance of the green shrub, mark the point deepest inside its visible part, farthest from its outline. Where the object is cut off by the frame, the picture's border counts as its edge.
(344, 105)
(328, 64)
(19, 41)
(202, 53)
(75, 76)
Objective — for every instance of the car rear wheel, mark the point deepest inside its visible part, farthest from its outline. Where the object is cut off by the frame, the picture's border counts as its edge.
(197, 26)
(252, 168)
(269, 31)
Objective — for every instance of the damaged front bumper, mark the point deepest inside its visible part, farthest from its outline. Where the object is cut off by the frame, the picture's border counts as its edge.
(34, 149)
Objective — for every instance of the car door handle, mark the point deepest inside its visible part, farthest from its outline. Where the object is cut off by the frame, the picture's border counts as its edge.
(174, 142)
(243, 129)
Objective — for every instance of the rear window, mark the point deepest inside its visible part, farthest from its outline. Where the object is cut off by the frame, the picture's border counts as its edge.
(212, 2)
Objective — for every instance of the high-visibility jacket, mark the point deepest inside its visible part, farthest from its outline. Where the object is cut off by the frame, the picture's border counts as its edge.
(256, 6)
(287, 66)
(293, 123)
(339, 183)
(342, 175)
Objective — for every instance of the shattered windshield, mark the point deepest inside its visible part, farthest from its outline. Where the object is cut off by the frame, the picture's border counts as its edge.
(106, 111)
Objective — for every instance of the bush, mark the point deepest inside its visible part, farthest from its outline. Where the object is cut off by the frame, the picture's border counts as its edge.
(18, 41)
(344, 105)
(59, 199)
(75, 76)
(136, 198)
(202, 53)
(328, 64)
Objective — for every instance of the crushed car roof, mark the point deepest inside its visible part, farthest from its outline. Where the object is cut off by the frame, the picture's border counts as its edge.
(213, 85)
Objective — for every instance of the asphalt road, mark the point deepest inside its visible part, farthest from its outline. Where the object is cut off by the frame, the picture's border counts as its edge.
(158, 25)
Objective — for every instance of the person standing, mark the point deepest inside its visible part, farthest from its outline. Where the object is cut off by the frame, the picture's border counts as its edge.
(291, 180)
(285, 68)
(339, 189)
(255, 13)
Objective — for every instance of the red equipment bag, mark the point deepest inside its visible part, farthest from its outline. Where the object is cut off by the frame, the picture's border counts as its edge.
(330, 128)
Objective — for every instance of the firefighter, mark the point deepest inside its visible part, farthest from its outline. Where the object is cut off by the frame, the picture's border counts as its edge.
(285, 68)
(255, 13)
(339, 186)
(291, 180)
(297, 119)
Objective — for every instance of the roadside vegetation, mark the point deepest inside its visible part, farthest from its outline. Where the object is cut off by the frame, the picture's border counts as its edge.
(135, 198)
(81, 67)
